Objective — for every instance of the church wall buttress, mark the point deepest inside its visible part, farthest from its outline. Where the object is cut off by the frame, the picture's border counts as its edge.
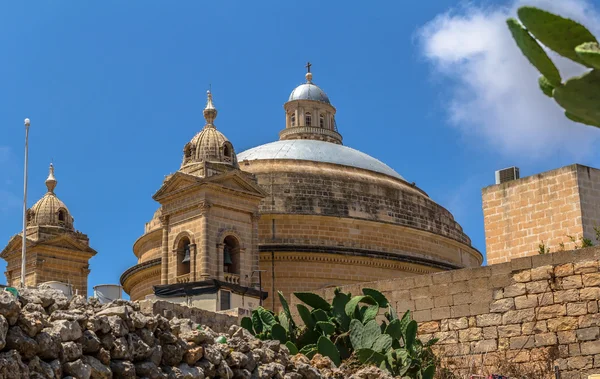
(164, 270)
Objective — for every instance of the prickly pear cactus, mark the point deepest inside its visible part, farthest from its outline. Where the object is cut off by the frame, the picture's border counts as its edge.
(579, 96)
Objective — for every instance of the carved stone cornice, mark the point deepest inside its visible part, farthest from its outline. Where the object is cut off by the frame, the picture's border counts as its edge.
(164, 220)
(204, 207)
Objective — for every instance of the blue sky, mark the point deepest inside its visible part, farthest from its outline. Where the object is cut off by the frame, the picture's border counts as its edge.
(435, 89)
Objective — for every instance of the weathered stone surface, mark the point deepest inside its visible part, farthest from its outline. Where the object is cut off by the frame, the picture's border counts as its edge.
(11, 365)
(122, 369)
(3, 331)
(517, 317)
(40, 369)
(502, 305)
(9, 307)
(588, 334)
(98, 369)
(551, 311)
(562, 323)
(90, 342)
(471, 334)
(545, 339)
(66, 330)
(25, 345)
(489, 320)
(509, 330)
(516, 289)
(70, 351)
(77, 369)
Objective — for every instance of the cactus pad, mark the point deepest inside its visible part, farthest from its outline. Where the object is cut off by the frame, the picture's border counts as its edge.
(546, 87)
(590, 53)
(580, 97)
(560, 34)
(533, 51)
(327, 348)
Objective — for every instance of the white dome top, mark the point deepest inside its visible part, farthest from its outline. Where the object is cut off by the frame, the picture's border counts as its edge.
(317, 151)
(309, 91)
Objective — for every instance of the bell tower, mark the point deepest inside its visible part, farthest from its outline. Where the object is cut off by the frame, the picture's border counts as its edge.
(55, 250)
(309, 114)
(209, 221)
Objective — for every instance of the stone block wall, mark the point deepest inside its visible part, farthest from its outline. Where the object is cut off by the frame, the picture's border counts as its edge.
(521, 214)
(219, 322)
(528, 311)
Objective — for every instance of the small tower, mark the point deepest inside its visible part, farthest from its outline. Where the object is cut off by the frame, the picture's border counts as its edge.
(209, 152)
(207, 229)
(309, 114)
(55, 250)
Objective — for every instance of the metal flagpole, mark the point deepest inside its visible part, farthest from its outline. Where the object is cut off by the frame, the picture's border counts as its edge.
(24, 247)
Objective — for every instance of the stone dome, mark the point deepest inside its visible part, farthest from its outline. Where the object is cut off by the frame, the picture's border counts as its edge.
(309, 91)
(50, 210)
(318, 151)
(209, 145)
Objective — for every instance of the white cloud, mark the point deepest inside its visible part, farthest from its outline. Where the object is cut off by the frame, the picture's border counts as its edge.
(494, 92)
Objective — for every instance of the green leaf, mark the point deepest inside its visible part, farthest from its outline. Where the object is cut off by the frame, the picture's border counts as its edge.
(580, 120)
(370, 313)
(546, 87)
(394, 329)
(356, 334)
(351, 305)
(339, 303)
(411, 334)
(284, 321)
(308, 337)
(313, 300)
(431, 342)
(429, 372)
(370, 334)
(309, 350)
(404, 323)
(257, 322)
(377, 296)
(392, 315)
(279, 333)
(560, 34)
(246, 323)
(327, 327)
(590, 53)
(286, 309)
(383, 343)
(580, 96)
(291, 347)
(369, 356)
(305, 316)
(533, 52)
(266, 317)
(328, 349)
(319, 315)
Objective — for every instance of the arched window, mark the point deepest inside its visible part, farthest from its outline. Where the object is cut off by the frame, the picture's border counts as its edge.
(187, 151)
(226, 151)
(321, 120)
(307, 119)
(61, 216)
(231, 255)
(183, 256)
(293, 119)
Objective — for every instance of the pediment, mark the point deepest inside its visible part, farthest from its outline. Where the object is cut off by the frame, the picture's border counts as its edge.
(64, 241)
(67, 242)
(237, 182)
(178, 182)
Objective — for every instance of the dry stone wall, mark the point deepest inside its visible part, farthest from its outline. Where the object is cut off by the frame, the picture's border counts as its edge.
(43, 335)
(532, 311)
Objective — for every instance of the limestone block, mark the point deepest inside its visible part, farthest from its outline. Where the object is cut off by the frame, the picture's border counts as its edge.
(526, 301)
(502, 305)
(562, 323)
(588, 334)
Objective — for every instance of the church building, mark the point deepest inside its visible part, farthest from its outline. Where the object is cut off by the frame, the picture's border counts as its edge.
(301, 213)
(55, 251)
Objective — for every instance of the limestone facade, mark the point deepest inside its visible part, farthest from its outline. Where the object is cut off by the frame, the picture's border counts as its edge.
(55, 251)
(317, 213)
(532, 311)
(545, 209)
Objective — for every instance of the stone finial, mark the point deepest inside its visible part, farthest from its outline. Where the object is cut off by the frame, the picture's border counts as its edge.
(51, 181)
(210, 112)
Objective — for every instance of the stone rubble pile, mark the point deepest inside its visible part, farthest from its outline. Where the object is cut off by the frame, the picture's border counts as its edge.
(44, 335)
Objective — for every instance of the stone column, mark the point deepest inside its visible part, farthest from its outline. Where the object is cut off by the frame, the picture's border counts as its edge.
(254, 254)
(220, 274)
(204, 248)
(164, 263)
(193, 264)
